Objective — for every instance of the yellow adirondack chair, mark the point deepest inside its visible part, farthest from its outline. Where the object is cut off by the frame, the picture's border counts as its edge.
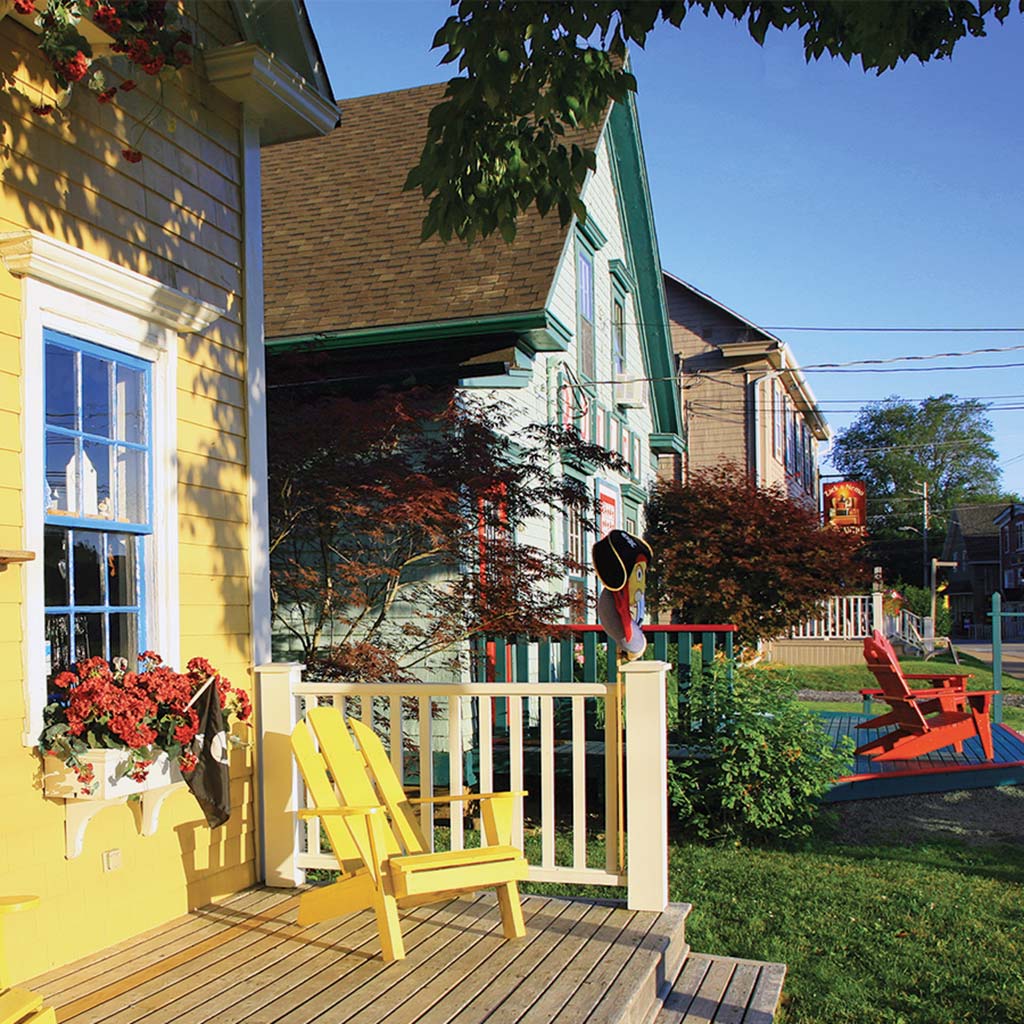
(385, 860)
(19, 1005)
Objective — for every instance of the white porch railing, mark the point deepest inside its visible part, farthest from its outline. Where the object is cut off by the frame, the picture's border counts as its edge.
(423, 722)
(851, 617)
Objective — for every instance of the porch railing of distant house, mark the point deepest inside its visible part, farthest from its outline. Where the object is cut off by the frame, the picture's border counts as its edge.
(851, 617)
(488, 733)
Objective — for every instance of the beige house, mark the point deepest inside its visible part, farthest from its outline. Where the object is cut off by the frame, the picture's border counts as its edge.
(745, 399)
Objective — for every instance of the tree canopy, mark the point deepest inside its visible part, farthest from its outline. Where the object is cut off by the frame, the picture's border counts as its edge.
(534, 72)
(726, 550)
(897, 445)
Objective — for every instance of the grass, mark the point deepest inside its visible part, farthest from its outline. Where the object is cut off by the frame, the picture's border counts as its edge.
(856, 677)
(892, 934)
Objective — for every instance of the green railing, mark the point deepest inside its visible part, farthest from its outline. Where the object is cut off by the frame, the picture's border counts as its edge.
(585, 654)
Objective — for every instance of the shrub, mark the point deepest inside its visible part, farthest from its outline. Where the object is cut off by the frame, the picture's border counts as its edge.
(919, 601)
(756, 761)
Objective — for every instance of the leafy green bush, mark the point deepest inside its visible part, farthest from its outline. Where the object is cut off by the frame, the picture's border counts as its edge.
(919, 601)
(756, 761)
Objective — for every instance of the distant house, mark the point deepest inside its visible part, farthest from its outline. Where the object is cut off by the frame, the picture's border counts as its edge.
(972, 541)
(568, 322)
(746, 401)
(1010, 523)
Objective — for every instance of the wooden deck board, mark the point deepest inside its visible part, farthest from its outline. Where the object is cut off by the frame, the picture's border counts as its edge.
(247, 961)
(724, 990)
(936, 772)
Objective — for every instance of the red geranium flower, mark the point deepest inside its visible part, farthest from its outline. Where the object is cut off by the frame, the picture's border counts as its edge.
(133, 156)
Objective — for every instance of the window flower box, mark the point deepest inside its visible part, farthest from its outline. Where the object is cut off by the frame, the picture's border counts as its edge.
(111, 779)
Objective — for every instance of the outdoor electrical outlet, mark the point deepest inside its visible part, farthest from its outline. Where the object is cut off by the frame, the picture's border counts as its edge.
(111, 860)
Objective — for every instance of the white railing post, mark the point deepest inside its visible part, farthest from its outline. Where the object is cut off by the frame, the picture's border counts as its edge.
(278, 778)
(877, 612)
(646, 784)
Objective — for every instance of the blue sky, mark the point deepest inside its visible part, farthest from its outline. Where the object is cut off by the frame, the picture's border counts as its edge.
(809, 195)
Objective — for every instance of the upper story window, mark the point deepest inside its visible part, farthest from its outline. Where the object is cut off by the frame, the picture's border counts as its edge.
(1020, 536)
(586, 353)
(618, 336)
(1006, 538)
(97, 500)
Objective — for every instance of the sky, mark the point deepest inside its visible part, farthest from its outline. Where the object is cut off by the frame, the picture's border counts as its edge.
(810, 195)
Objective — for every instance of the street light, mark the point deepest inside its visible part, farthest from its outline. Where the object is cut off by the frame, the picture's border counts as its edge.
(936, 565)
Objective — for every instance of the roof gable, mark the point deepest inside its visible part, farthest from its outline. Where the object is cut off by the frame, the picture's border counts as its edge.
(342, 239)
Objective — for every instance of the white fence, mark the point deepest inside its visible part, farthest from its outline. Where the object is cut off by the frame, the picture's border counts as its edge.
(841, 618)
(450, 729)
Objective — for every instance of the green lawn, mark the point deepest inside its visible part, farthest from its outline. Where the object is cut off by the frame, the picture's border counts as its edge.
(887, 934)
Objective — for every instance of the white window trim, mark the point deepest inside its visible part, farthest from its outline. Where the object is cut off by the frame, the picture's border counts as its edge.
(110, 318)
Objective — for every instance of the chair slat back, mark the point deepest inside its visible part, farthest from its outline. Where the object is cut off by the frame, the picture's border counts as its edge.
(348, 769)
(403, 817)
(313, 769)
(883, 664)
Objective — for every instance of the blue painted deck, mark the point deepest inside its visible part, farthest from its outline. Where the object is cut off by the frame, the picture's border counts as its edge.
(938, 772)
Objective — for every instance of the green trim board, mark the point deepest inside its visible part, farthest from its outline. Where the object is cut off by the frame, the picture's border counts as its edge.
(590, 230)
(622, 276)
(539, 331)
(637, 215)
(630, 492)
(667, 444)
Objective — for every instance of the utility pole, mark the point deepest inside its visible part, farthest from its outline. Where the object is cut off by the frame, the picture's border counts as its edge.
(925, 523)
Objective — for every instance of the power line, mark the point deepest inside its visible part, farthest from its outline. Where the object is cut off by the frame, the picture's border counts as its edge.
(911, 369)
(902, 330)
(915, 358)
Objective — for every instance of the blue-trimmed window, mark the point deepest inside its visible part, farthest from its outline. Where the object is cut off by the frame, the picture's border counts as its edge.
(98, 500)
(618, 334)
(585, 334)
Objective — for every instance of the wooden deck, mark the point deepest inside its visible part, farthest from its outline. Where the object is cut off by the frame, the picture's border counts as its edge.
(246, 961)
(938, 772)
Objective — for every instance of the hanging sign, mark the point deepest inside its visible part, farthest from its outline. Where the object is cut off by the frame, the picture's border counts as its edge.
(846, 506)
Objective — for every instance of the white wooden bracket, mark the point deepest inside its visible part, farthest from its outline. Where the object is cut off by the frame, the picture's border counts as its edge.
(78, 814)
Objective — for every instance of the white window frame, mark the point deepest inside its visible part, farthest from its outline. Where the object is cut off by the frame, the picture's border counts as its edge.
(65, 289)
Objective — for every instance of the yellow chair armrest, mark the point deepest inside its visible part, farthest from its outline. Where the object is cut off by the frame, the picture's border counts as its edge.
(464, 796)
(9, 904)
(337, 812)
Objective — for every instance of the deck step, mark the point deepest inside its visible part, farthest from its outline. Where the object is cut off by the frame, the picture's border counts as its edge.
(723, 990)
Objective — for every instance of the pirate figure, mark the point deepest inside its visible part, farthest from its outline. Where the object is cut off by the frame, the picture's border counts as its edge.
(621, 562)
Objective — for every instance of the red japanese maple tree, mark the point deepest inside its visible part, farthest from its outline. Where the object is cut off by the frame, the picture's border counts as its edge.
(401, 526)
(727, 550)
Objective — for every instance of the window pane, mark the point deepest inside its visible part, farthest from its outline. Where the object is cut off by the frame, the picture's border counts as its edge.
(88, 552)
(60, 475)
(89, 636)
(131, 406)
(124, 636)
(96, 499)
(121, 569)
(60, 387)
(55, 568)
(96, 418)
(131, 486)
(58, 634)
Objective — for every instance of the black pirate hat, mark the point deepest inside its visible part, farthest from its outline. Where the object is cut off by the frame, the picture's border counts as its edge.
(614, 556)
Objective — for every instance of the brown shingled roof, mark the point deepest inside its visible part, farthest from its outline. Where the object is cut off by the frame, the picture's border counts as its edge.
(341, 238)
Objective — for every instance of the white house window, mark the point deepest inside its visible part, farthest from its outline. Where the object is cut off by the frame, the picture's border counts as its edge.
(587, 357)
(618, 336)
(98, 500)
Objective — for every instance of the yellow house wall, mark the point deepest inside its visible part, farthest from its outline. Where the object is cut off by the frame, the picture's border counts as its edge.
(176, 216)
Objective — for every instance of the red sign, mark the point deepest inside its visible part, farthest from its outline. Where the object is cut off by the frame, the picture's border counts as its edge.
(609, 502)
(846, 506)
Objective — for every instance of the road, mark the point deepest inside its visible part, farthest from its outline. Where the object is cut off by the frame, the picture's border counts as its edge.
(1013, 655)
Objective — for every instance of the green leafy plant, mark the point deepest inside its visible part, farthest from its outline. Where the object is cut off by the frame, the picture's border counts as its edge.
(919, 601)
(144, 38)
(756, 761)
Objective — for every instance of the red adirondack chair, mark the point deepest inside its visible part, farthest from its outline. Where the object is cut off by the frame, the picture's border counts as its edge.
(924, 720)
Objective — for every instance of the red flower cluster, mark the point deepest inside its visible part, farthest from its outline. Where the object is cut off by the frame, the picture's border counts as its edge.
(74, 68)
(106, 18)
(99, 705)
(25, 6)
(133, 156)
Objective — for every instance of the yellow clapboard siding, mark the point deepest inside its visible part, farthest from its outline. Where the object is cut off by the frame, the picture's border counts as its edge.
(10, 393)
(213, 504)
(206, 357)
(215, 535)
(10, 468)
(222, 476)
(10, 431)
(200, 620)
(10, 506)
(205, 412)
(215, 590)
(210, 444)
(208, 383)
(197, 560)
